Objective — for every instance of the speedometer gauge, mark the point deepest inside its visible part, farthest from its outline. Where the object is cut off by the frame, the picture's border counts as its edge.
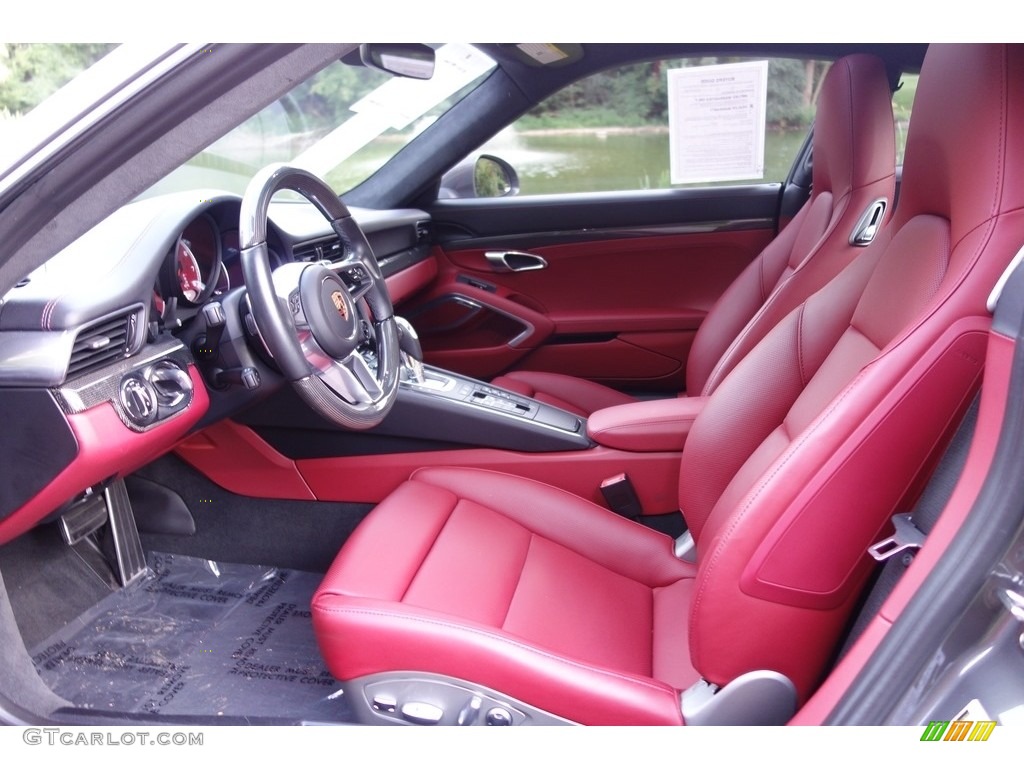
(194, 271)
(190, 277)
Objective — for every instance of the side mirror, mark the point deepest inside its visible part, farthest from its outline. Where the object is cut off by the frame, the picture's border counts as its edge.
(486, 176)
(403, 59)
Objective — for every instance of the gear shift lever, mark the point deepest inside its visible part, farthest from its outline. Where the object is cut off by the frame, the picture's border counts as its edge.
(410, 349)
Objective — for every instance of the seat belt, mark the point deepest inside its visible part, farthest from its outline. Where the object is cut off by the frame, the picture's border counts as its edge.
(897, 551)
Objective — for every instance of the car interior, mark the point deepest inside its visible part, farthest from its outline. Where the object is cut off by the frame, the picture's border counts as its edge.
(852, 188)
(406, 459)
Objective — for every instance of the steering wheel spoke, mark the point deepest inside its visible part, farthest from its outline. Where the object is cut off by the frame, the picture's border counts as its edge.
(356, 277)
(310, 315)
(353, 379)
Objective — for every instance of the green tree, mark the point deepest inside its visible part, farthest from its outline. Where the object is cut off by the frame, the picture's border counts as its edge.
(637, 95)
(792, 90)
(29, 72)
(324, 100)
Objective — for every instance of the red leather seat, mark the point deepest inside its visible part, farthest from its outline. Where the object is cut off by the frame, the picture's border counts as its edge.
(854, 166)
(792, 469)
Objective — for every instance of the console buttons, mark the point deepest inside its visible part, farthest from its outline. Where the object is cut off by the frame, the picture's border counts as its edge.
(422, 713)
(471, 711)
(498, 716)
(385, 703)
(499, 401)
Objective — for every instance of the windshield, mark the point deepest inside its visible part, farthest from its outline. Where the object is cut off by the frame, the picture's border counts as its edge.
(342, 124)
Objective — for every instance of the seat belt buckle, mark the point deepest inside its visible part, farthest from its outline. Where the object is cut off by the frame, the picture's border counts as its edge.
(620, 496)
(906, 536)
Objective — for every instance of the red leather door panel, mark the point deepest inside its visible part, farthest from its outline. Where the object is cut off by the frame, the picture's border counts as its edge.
(621, 310)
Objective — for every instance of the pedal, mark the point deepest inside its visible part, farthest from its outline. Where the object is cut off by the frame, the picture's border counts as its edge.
(85, 517)
(131, 559)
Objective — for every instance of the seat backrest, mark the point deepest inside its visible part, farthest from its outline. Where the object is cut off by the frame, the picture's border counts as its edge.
(854, 157)
(815, 438)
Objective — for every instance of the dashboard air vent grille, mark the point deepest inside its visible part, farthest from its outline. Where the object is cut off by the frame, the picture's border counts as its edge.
(330, 250)
(424, 231)
(102, 343)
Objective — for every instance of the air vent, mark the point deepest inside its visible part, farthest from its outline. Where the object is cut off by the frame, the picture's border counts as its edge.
(102, 343)
(331, 250)
(423, 231)
(307, 253)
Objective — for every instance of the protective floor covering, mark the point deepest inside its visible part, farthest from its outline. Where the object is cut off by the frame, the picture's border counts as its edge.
(195, 637)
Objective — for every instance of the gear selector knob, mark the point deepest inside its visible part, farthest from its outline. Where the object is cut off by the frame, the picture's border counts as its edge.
(409, 346)
(408, 339)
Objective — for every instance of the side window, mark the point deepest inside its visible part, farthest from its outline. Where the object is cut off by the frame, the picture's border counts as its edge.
(902, 101)
(612, 131)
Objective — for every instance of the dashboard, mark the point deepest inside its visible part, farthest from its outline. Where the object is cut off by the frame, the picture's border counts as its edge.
(138, 334)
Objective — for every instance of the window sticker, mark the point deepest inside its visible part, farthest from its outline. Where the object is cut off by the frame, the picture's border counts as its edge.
(717, 122)
(543, 53)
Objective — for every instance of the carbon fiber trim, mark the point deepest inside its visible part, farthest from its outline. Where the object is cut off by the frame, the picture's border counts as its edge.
(103, 386)
(328, 404)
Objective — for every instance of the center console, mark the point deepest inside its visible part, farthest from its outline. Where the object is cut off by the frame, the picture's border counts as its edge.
(435, 403)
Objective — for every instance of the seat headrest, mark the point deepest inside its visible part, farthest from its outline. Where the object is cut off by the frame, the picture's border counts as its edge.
(965, 145)
(854, 134)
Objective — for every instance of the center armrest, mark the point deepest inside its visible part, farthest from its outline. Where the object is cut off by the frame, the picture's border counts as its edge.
(650, 425)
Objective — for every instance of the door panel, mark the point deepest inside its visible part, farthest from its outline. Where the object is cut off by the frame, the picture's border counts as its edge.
(473, 330)
(628, 359)
(627, 280)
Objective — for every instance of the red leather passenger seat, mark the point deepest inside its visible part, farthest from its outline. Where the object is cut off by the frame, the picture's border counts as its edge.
(854, 167)
(790, 472)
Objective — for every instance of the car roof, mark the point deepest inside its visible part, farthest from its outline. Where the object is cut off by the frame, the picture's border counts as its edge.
(536, 81)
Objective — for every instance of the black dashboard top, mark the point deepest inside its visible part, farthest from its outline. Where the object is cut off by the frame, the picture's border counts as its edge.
(154, 263)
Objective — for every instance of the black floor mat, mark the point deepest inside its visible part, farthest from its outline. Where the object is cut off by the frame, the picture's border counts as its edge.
(305, 535)
(196, 637)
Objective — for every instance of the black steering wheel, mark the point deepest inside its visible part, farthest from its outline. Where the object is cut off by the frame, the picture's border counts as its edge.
(329, 326)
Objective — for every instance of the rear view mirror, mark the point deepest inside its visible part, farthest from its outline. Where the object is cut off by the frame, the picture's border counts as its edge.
(403, 59)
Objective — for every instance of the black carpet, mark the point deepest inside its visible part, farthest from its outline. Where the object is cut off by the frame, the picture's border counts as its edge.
(305, 535)
(47, 583)
(197, 637)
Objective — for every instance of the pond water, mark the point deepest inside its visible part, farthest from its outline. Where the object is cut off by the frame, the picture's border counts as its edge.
(596, 161)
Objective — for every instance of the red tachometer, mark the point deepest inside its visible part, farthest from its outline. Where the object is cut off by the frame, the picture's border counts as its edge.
(190, 277)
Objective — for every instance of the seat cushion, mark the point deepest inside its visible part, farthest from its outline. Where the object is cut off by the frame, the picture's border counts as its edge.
(584, 611)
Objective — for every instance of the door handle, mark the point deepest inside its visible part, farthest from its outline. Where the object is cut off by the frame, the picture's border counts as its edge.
(514, 261)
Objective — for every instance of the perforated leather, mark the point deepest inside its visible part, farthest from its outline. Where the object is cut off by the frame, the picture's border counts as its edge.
(790, 471)
(467, 568)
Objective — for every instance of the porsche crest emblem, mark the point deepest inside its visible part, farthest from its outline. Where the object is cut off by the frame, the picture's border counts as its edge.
(339, 304)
